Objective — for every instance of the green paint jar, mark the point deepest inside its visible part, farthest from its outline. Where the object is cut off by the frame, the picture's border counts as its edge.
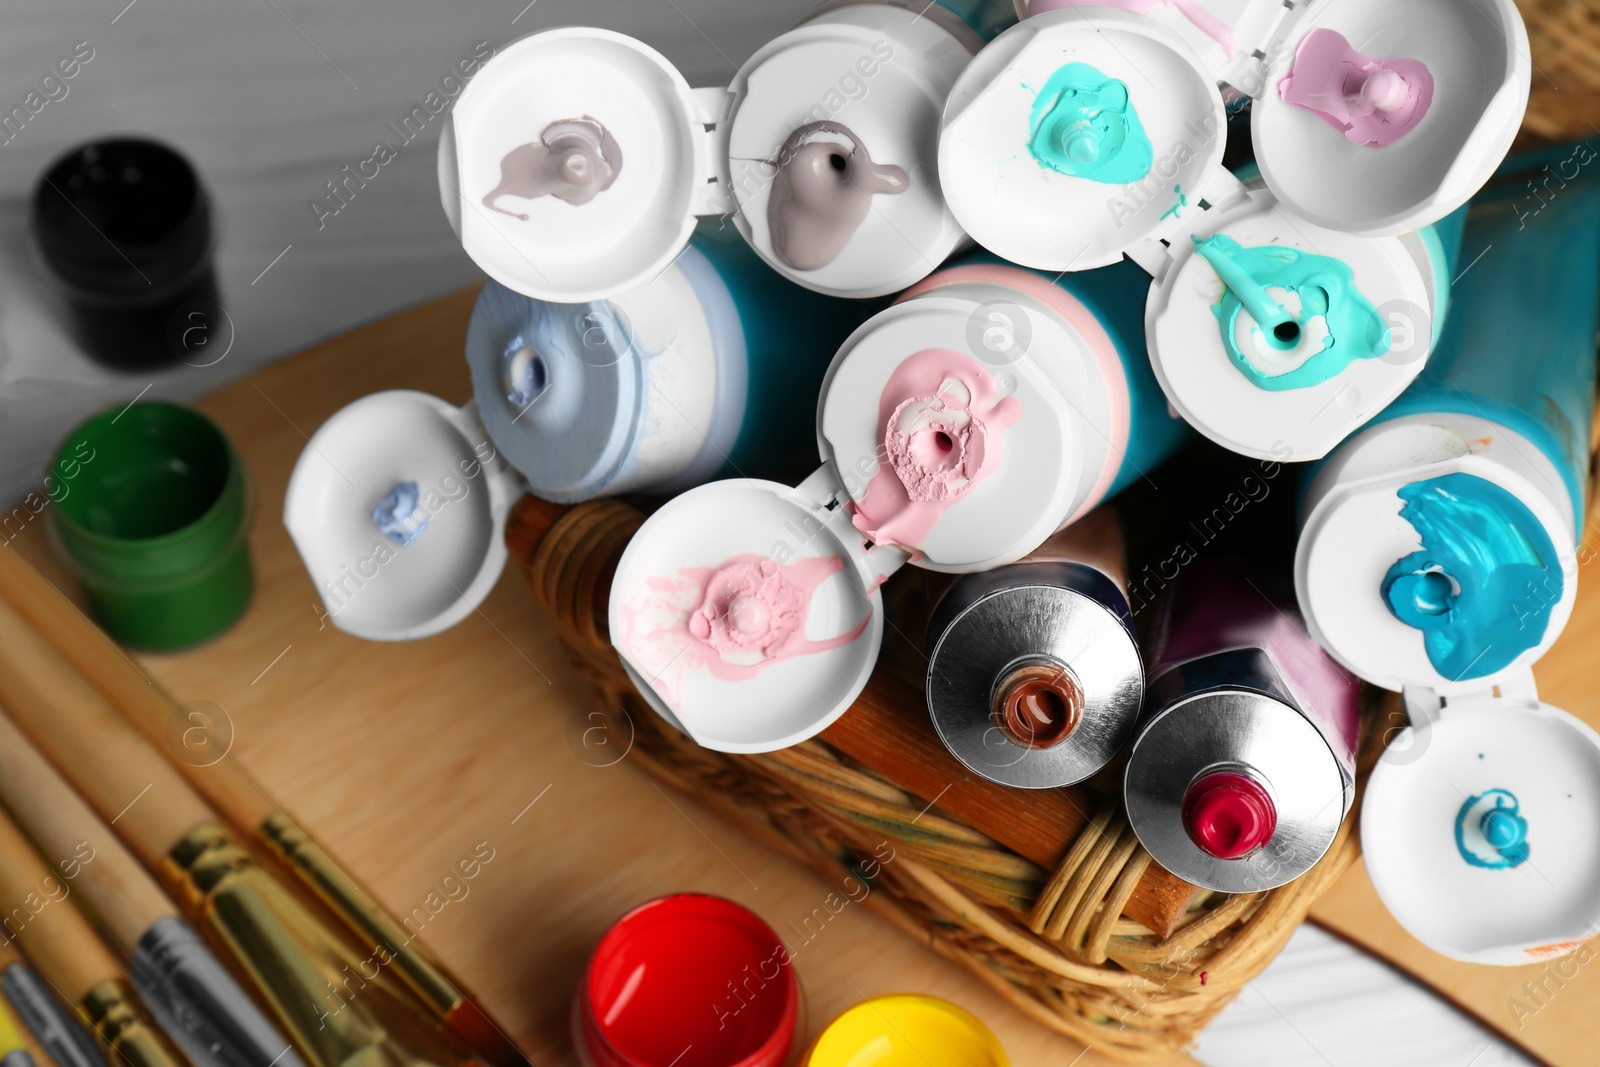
(156, 525)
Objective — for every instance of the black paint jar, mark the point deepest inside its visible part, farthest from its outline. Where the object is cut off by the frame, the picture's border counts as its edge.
(124, 227)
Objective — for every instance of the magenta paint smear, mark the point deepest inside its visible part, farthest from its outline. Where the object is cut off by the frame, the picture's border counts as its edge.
(1374, 101)
(942, 423)
(1203, 20)
(733, 621)
(822, 194)
(1217, 608)
(574, 160)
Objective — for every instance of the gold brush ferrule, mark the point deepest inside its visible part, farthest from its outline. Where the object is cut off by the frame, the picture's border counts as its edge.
(129, 1035)
(364, 915)
(292, 960)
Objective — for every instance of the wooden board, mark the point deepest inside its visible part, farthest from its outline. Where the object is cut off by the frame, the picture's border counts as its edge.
(404, 758)
(1556, 1020)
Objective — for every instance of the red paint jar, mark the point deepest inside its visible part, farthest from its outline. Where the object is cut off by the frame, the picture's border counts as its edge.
(687, 981)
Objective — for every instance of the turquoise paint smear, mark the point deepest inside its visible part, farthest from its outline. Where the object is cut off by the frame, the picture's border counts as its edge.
(1333, 319)
(1084, 125)
(1498, 826)
(1483, 554)
(1176, 210)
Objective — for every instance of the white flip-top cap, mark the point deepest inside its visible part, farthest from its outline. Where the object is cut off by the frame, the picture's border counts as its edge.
(1479, 833)
(1143, 96)
(1353, 533)
(882, 73)
(1477, 59)
(1197, 367)
(638, 109)
(1478, 824)
(748, 613)
(1040, 404)
(1222, 33)
(398, 506)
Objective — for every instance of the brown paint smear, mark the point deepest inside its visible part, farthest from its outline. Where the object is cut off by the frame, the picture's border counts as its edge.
(574, 160)
(822, 194)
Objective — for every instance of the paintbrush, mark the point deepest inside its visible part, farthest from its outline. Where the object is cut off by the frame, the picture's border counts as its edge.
(56, 1030)
(13, 1046)
(292, 960)
(231, 791)
(70, 957)
(188, 991)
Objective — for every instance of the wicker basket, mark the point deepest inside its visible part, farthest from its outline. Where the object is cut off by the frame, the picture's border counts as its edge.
(1067, 917)
(1053, 939)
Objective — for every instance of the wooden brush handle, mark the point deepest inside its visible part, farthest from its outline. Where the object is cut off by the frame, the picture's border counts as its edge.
(143, 702)
(114, 768)
(39, 913)
(887, 731)
(72, 837)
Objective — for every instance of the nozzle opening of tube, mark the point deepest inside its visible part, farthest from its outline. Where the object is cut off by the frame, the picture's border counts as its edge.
(1038, 705)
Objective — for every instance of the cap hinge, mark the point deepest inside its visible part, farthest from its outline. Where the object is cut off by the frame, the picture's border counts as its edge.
(711, 113)
(830, 504)
(1222, 194)
(1512, 689)
(1264, 28)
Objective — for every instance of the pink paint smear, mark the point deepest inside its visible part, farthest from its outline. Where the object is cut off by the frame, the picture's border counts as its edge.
(1374, 101)
(733, 621)
(942, 421)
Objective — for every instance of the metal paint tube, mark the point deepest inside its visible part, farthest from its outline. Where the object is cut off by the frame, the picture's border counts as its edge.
(56, 1031)
(1034, 677)
(1244, 767)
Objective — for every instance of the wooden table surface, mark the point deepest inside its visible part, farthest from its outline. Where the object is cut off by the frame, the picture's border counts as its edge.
(406, 758)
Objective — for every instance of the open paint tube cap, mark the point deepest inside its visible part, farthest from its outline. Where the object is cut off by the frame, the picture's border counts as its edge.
(1478, 829)
(1437, 552)
(575, 163)
(1349, 324)
(1378, 118)
(566, 391)
(398, 506)
(748, 613)
(1078, 134)
(875, 78)
(965, 453)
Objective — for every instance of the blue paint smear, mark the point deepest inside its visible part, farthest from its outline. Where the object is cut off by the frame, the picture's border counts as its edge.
(1332, 312)
(1498, 834)
(1084, 125)
(398, 514)
(1480, 586)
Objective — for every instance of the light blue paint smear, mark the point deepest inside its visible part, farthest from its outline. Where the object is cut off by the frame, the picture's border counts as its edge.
(1490, 832)
(1085, 126)
(1483, 554)
(1323, 325)
(399, 514)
